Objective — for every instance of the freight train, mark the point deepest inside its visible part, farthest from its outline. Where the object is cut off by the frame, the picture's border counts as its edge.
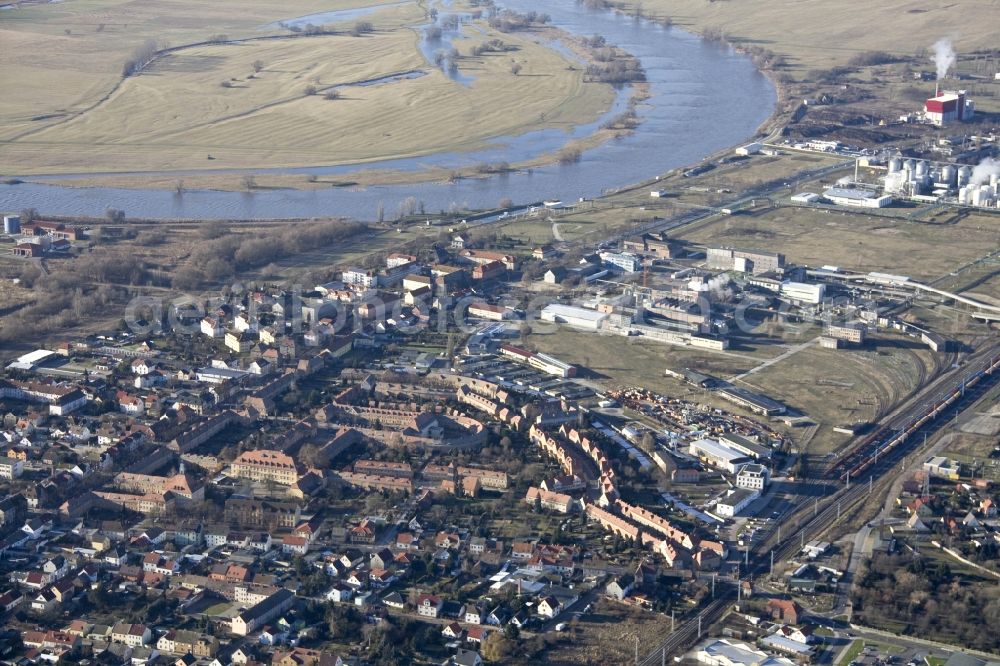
(882, 442)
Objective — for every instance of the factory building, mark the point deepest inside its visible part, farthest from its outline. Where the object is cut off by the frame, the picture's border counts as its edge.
(803, 292)
(745, 261)
(949, 107)
(625, 261)
(853, 332)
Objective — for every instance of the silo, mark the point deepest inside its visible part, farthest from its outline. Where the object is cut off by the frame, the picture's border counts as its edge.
(963, 196)
(11, 224)
(895, 164)
(981, 197)
(948, 175)
(964, 174)
(910, 164)
(922, 168)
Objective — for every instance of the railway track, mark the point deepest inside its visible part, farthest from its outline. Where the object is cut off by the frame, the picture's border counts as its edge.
(928, 406)
(927, 416)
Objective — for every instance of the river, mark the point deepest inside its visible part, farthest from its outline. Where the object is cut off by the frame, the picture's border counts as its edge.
(703, 98)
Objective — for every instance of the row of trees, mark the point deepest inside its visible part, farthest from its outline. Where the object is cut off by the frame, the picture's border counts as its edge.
(223, 257)
(511, 21)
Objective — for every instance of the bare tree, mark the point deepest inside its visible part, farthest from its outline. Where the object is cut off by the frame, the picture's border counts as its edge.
(515, 68)
(310, 89)
(407, 206)
(362, 28)
(140, 57)
(258, 65)
(249, 182)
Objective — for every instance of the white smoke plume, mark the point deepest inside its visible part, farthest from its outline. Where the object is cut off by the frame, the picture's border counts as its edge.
(944, 57)
(981, 172)
(716, 284)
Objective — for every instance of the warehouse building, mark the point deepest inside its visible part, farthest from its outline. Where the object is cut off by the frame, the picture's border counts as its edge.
(571, 315)
(845, 196)
(718, 455)
(756, 403)
(746, 446)
(735, 502)
(552, 366)
(727, 652)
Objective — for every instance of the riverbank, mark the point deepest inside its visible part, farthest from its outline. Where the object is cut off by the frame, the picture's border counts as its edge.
(252, 181)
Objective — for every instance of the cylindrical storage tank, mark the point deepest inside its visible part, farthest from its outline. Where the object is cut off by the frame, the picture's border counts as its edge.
(910, 164)
(922, 167)
(964, 174)
(948, 174)
(994, 179)
(963, 196)
(895, 164)
(980, 197)
(11, 224)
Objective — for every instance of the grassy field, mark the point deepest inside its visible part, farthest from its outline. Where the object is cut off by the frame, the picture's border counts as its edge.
(856, 241)
(832, 387)
(841, 387)
(64, 57)
(816, 34)
(177, 112)
(621, 361)
(608, 635)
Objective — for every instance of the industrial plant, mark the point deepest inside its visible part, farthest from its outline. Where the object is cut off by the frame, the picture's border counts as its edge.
(928, 182)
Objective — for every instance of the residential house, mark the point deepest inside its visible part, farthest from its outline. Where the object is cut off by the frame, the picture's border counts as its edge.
(429, 605)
